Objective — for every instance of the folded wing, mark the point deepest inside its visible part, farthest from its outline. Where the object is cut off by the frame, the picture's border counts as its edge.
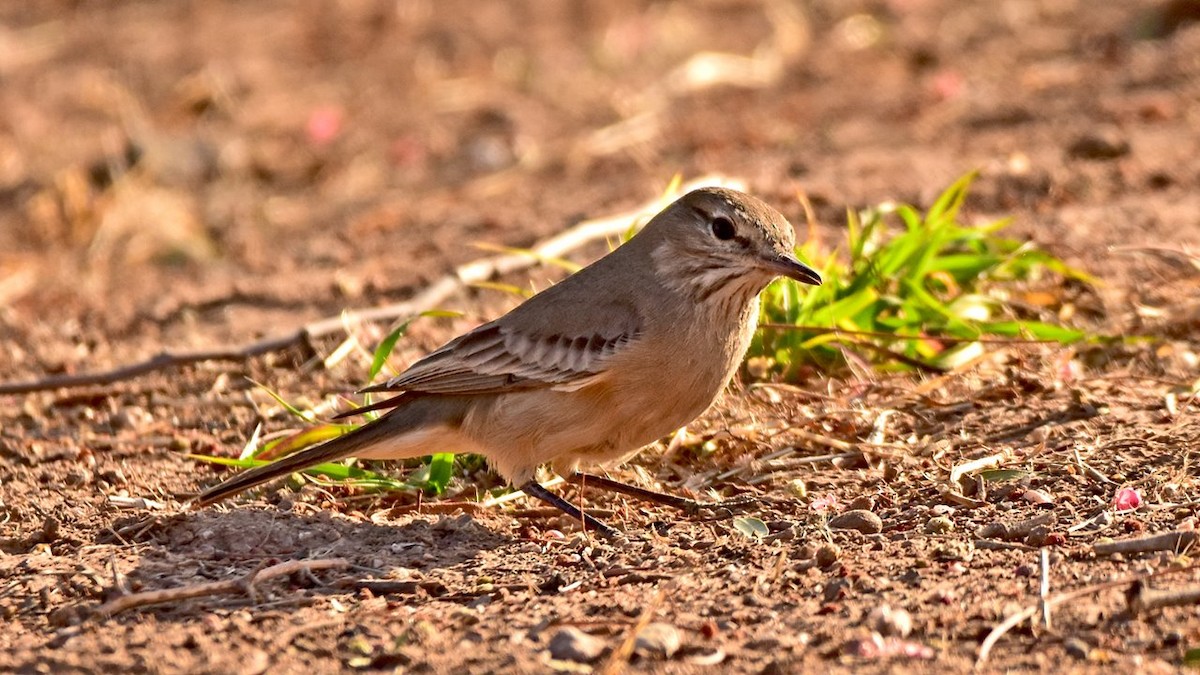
(499, 357)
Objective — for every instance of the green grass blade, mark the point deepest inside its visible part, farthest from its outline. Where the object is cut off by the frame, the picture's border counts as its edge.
(306, 415)
(302, 439)
(384, 350)
(441, 469)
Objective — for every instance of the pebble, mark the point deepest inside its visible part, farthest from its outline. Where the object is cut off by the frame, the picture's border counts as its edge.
(1038, 497)
(864, 503)
(658, 640)
(572, 644)
(1077, 648)
(1100, 144)
(890, 622)
(939, 525)
(114, 477)
(1038, 536)
(859, 520)
(78, 477)
(130, 418)
(827, 555)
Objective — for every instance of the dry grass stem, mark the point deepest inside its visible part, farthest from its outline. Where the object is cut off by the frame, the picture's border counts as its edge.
(989, 462)
(1175, 542)
(1141, 599)
(619, 659)
(230, 587)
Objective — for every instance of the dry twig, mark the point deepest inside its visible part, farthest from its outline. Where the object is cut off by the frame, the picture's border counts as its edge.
(1044, 587)
(1167, 541)
(244, 584)
(1140, 598)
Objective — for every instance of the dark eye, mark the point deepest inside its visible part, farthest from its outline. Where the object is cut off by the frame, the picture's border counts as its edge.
(722, 228)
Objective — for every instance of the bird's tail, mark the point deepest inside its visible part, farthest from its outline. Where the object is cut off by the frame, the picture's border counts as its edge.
(348, 445)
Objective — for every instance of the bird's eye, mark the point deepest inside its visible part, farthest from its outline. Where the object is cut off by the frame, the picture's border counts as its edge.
(722, 228)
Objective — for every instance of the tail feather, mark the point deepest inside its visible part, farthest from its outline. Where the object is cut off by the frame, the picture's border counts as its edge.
(338, 448)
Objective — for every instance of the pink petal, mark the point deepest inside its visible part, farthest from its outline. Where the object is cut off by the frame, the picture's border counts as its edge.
(826, 503)
(1037, 497)
(1127, 499)
(878, 648)
(324, 124)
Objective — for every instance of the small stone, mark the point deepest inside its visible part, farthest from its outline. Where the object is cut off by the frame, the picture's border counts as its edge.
(114, 477)
(952, 551)
(1037, 536)
(1038, 497)
(65, 616)
(1077, 648)
(890, 622)
(865, 503)
(859, 520)
(939, 525)
(827, 555)
(798, 488)
(658, 640)
(572, 644)
(130, 418)
(1099, 144)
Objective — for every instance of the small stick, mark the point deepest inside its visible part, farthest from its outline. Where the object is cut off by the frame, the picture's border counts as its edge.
(976, 465)
(1141, 598)
(1090, 470)
(1044, 590)
(1168, 541)
(243, 584)
(118, 580)
(962, 500)
(993, 545)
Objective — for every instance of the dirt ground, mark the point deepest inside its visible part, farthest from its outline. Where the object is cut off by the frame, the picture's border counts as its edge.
(201, 174)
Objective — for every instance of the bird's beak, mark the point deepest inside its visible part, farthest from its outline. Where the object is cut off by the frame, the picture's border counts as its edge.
(786, 264)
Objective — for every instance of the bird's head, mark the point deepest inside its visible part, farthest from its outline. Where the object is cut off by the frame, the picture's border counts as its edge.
(715, 240)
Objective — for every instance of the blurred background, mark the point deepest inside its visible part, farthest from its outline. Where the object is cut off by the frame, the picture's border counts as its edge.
(280, 161)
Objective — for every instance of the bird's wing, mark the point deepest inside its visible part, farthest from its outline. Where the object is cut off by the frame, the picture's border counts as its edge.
(500, 357)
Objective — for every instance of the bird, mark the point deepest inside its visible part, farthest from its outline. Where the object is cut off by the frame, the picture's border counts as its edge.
(590, 370)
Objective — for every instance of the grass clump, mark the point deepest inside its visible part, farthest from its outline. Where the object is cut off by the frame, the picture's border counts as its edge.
(907, 290)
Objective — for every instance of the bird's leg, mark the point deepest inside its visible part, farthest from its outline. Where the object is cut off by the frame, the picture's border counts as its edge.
(689, 506)
(535, 489)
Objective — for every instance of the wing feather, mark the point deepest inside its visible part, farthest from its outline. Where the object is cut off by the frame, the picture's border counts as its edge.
(498, 357)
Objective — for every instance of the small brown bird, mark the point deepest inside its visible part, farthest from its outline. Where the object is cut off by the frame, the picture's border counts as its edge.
(590, 370)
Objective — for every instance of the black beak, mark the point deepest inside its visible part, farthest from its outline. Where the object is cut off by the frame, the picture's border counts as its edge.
(787, 265)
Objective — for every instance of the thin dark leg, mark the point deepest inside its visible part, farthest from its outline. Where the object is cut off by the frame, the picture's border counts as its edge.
(535, 489)
(690, 506)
